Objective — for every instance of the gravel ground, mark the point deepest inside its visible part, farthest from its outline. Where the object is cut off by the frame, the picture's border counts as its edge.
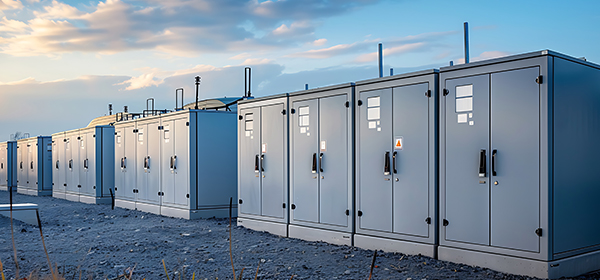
(101, 243)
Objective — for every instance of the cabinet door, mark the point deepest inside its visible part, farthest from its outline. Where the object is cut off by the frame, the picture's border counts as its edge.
(166, 162)
(467, 142)
(74, 145)
(119, 154)
(3, 166)
(89, 186)
(515, 188)
(305, 153)
(152, 161)
(273, 163)
(411, 149)
(374, 164)
(141, 150)
(182, 161)
(249, 172)
(129, 163)
(333, 145)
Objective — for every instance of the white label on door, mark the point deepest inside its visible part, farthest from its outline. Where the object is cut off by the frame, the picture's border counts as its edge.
(462, 118)
(398, 143)
(303, 110)
(323, 146)
(373, 101)
(264, 148)
(247, 133)
(471, 123)
(303, 130)
(373, 113)
(464, 91)
(464, 104)
(372, 125)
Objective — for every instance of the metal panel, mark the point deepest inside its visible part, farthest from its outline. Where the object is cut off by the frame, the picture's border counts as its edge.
(150, 148)
(167, 152)
(249, 174)
(45, 166)
(75, 164)
(182, 160)
(21, 147)
(129, 163)
(3, 165)
(141, 152)
(105, 161)
(467, 194)
(515, 189)
(333, 144)
(12, 164)
(88, 188)
(273, 149)
(67, 160)
(81, 161)
(305, 154)
(411, 176)
(375, 185)
(32, 176)
(119, 171)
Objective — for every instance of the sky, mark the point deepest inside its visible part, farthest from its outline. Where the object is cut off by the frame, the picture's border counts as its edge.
(63, 61)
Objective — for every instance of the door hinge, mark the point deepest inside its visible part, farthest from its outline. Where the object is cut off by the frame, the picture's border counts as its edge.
(240, 201)
(79, 186)
(135, 131)
(347, 212)
(359, 102)
(94, 135)
(293, 206)
(446, 92)
(293, 111)
(187, 123)
(160, 127)
(347, 104)
(284, 205)
(115, 133)
(360, 213)
(78, 138)
(445, 223)
(187, 195)
(240, 117)
(539, 79)
(428, 220)
(94, 187)
(283, 112)
(428, 93)
(538, 232)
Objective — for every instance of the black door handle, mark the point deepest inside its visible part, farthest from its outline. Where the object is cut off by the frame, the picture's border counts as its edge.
(256, 164)
(21, 165)
(262, 163)
(125, 162)
(321, 162)
(174, 162)
(171, 163)
(57, 164)
(394, 162)
(148, 162)
(386, 163)
(31, 164)
(482, 163)
(314, 163)
(494, 162)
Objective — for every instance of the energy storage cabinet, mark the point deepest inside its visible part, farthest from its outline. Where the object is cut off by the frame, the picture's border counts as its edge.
(83, 164)
(180, 164)
(396, 174)
(263, 164)
(34, 159)
(321, 164)
(518, 137)
(8, 164)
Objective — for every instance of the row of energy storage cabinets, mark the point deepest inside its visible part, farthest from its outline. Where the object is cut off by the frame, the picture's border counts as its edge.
(34, 166)
(83, 164)
(263, 164)
(180, 164)
(518, 139)
(8, 164)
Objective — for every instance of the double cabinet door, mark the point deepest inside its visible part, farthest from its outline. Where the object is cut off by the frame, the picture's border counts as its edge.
(492, 160)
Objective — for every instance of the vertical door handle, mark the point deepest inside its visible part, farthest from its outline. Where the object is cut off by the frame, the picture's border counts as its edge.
(386, 163)
(394, 161)
(494, 162)
(56, 164)
(148, 162)
(174, 162)
(21, 165)
(70, 164)
(145, 166)
(262, 163)
(321, 162)
(31, 164)
(256, 164)
(171, 163)
(125, 162)
(121, 163)
(482, 163)
(314, 163)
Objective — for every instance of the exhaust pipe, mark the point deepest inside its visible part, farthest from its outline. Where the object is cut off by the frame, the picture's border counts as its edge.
(197, 86)
(466, 32)
(247, 82)
(380, 60)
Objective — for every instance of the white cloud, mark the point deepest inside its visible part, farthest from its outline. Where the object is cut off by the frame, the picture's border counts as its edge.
(320, 42)
(59, 11)
(389, 51)
(484, 56)
(28, 80)
(10, 5)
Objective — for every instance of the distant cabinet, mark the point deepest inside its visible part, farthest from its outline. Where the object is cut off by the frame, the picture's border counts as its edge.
(83, 164)
(8, 164)
(517, 142)
(180, 164)
(34, 170)
(263, 164)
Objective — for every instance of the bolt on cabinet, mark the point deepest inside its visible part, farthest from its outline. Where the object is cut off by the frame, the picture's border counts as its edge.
(83, 164)
(263, 164)
(517, 136)
(321, 160)
(396, 189)
(180, 164)
(8, 164)
(34, 174)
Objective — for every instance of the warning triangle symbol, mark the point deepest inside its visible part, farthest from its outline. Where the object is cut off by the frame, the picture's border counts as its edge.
(398, 143)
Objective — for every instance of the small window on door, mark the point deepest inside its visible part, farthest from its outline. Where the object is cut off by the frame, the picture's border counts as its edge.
(464, 98)
(373, 108)
(118, 137)
(249, 123)
(140, 135)
(167, 131)
(303, 116)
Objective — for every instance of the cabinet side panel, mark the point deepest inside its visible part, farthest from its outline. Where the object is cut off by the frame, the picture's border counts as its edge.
(576, 134)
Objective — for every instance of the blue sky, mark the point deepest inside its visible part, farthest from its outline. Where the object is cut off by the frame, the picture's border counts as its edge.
(62, 62)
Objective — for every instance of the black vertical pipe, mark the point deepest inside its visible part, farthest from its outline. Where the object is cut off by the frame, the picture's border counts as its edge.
(380, 60)
(466, 31)
(197, 86)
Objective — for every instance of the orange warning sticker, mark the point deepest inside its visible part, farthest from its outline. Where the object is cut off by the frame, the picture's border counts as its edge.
(398, 143)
